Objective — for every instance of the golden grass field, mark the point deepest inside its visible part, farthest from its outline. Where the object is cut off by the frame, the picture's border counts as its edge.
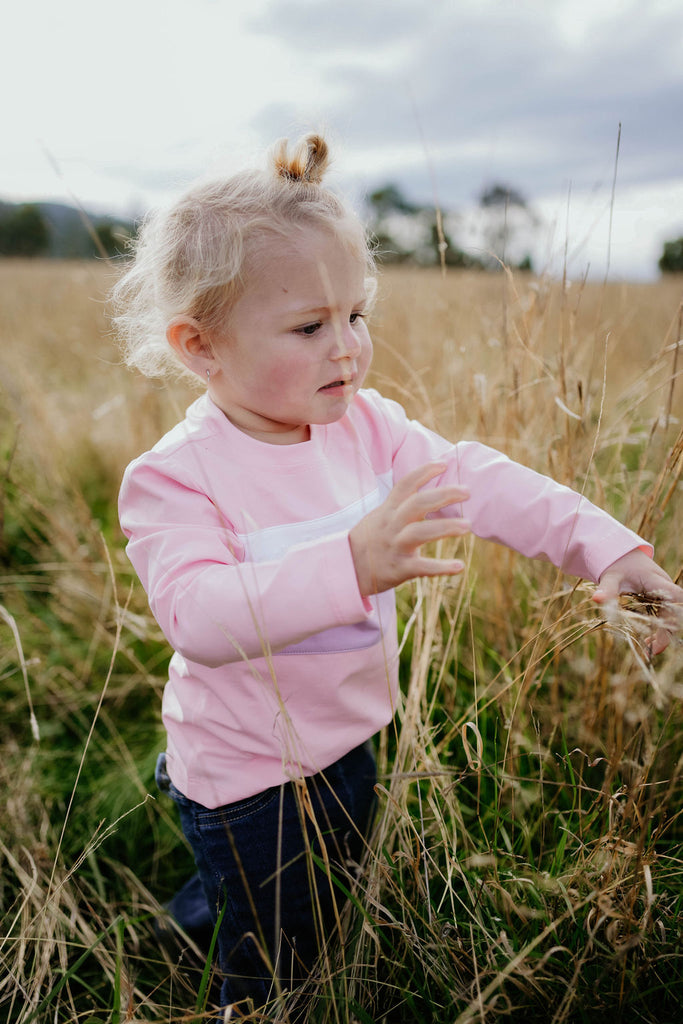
(533, 871)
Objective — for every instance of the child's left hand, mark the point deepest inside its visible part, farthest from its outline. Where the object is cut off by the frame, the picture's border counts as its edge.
(636, 573)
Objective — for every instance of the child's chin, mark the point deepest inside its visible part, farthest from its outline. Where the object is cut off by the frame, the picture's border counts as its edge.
(339, 410)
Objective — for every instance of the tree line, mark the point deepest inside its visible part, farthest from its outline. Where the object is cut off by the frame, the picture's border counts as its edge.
(403, 232)
(407, 232)
(59, 231)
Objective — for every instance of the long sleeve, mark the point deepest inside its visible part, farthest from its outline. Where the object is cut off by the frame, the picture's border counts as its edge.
(531, 513)
(513, 505)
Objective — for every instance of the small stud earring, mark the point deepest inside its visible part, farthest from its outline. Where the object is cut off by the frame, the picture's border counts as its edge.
(208, 376)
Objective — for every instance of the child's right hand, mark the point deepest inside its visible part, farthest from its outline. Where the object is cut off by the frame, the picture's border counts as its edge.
(385, 544)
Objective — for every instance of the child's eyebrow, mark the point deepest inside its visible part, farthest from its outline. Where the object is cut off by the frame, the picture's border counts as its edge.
(305, 311)
(316, 311)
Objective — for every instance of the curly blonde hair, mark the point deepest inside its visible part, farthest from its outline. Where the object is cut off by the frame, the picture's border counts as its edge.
(190, 260)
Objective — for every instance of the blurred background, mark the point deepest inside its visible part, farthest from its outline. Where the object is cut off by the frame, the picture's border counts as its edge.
(548, 133)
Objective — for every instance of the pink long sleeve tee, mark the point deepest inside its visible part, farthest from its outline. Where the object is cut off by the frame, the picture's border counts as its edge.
(280, 667)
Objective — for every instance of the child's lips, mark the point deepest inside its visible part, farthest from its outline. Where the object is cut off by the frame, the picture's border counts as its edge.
(336, 384)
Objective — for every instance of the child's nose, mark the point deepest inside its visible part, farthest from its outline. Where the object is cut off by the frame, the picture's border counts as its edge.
(347, 344)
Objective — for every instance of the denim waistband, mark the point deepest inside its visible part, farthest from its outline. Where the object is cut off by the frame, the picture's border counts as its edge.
(165, 785)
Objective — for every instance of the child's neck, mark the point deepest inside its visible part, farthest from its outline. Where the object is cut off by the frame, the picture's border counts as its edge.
(295, 434)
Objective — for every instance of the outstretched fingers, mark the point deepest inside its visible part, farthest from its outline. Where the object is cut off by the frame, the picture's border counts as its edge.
(386, 543)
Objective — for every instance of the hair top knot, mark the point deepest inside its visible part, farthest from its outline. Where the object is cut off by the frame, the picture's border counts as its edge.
(308, 163)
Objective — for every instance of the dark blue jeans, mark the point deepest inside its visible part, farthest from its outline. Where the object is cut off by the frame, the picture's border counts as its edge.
(259, 864)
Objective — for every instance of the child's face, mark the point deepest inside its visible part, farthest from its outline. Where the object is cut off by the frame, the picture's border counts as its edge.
(295, 348)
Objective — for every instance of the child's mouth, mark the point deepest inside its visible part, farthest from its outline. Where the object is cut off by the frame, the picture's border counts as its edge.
(335, 384)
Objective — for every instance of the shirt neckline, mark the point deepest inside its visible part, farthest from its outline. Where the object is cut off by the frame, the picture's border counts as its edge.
(284, 454)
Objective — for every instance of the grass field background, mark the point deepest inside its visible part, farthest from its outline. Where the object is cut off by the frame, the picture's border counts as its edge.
(527, 861)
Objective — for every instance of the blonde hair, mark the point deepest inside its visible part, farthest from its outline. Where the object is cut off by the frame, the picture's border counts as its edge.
(190, 260)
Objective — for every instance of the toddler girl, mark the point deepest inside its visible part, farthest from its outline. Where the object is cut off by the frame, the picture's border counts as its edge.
(269, 529)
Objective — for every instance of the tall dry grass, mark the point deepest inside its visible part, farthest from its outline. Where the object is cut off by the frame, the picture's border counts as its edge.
(526, 861)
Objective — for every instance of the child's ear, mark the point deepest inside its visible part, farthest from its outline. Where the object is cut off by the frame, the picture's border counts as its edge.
(190, 343)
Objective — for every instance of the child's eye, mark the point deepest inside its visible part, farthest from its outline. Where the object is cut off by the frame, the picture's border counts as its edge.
(355, 317)
(309, 329)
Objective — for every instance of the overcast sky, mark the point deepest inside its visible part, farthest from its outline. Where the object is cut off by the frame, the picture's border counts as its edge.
(122, 105)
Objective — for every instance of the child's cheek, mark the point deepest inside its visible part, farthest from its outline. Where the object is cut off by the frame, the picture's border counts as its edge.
(364, 360)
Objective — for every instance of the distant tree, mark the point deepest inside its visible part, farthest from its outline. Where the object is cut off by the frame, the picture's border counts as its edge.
(671, 260)
(113, 238)
(453, 255)
(390, 213)
(388, 200)
(107, 238)
(498, 195)
(507, 212)
(408, 232)
(23, 231)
